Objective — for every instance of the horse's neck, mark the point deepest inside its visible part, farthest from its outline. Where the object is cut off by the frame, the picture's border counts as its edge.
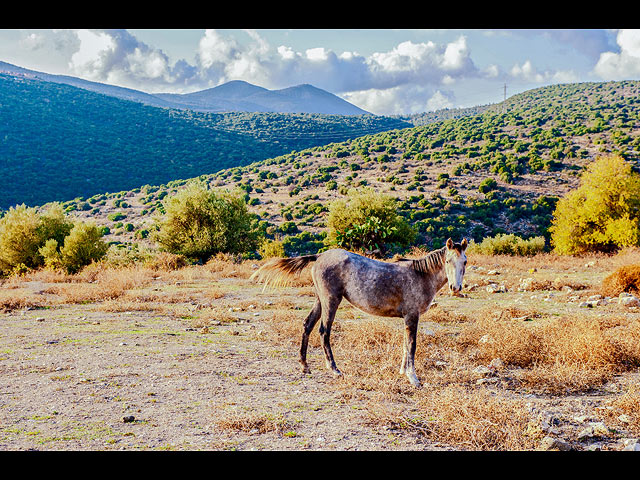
(438, 277)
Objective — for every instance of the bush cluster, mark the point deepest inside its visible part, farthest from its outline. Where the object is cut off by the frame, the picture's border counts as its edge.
(30, 240)
(508, 244)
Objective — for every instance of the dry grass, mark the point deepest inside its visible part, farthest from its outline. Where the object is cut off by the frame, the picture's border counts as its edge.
(469, 418)
(249, 422)
(623, 279)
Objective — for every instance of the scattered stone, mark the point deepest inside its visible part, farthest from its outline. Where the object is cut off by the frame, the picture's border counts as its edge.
(595, 429)
(495, 288)
(624, 418)
(631, 445)
(526, 284)
(482, 371)
(493, 272)
(204, 330)
(40, 319)
(630, 301)
(129, 419)
(496, 364)
(590, 264)
(550, 443)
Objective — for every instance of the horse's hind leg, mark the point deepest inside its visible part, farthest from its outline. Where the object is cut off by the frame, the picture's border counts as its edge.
(329, 309)
(309, 323)
(409, 348)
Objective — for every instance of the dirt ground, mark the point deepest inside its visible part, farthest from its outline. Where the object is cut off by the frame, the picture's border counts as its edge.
(79, 376)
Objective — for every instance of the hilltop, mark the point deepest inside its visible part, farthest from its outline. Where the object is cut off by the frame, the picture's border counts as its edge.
(499, 171)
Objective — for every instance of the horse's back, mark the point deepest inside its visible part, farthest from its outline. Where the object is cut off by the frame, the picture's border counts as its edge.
(374, 286)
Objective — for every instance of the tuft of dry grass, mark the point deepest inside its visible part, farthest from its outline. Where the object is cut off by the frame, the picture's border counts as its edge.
(624, 279)
(470, 418)
(101, 283)
(260, 422)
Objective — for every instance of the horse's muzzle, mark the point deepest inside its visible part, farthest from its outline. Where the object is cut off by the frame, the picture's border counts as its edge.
(455, 291)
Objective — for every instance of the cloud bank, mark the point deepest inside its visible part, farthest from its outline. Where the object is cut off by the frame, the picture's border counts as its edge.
(411, 77)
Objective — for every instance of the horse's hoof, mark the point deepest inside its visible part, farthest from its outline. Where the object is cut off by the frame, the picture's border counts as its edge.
(414, 381)
(336, 372)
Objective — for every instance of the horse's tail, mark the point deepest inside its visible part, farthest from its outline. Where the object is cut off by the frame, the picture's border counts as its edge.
(280, 271)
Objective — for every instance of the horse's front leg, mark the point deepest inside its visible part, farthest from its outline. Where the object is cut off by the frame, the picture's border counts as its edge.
(409, 348)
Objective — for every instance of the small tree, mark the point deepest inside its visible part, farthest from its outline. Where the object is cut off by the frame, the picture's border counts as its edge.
(200, 223)
(603, 213)
(367, 220)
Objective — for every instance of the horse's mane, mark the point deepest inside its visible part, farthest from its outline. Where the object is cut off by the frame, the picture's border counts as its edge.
(430, 263)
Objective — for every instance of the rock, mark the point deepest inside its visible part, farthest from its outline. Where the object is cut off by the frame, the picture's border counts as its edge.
(631, 445)
(594, 297)
(493, 272)
(204, 330)
(550, 443)
(526, 284)
(129, 419)
(624, 418)
(496, 364)
(585, 305)
(482, 371)
(590, 264)
(495, 288)
(596, 429)
(628, 301)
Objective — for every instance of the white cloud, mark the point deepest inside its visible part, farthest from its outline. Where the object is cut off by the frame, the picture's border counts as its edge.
(528, 73)
(626, 63)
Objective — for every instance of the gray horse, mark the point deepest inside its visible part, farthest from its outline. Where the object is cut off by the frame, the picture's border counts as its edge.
(404, 288)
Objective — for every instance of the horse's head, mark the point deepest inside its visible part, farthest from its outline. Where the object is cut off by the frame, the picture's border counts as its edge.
(455, 264)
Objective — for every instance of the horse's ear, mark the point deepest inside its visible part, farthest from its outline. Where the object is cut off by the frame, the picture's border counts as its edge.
(449, 243)
(463, 244)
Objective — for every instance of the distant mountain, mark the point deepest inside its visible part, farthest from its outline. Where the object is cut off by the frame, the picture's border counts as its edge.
(234, 96)
(244, 97)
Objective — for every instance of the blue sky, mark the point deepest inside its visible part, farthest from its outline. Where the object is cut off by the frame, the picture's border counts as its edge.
(383, 71)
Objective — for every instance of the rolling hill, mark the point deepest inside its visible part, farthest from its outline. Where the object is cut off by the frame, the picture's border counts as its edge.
(59, 142)
(499, 171)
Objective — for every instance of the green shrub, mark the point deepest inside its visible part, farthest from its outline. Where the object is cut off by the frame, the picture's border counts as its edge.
(24, 231)
(367, 220)
(487, 185)
(272, 248)
(200, 223)
(83, 245)
(507, 244)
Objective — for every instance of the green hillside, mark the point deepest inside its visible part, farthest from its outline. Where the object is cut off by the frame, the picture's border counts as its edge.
(500, 171)
(59, 142)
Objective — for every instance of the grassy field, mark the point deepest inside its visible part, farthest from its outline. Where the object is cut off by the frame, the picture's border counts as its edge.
(519, 363)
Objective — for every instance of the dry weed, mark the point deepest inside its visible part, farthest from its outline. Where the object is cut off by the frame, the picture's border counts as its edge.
(624, 279)
(470, 418)
(248, 422)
